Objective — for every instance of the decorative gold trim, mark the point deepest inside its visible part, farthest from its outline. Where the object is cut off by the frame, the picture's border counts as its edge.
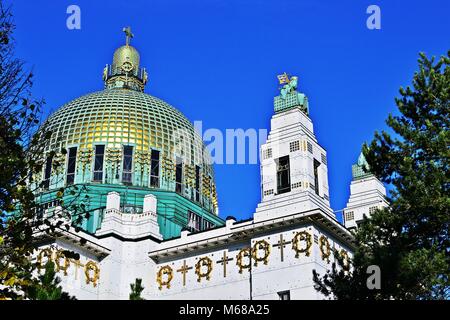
(162, 271)
(91, 266)
(346, 260)
(261, 245)
(246, 252)
(301, 236)
(323, 241)
(85, 157)
(203, 262)
(60, 254)
(44, 253)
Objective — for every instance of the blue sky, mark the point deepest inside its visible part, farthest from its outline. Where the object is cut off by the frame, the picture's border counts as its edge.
(217, 61)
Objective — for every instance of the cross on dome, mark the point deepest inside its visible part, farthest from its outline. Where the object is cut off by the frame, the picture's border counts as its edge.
(128, 33)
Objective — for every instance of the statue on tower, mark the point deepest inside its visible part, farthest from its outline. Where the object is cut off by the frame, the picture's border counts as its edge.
(289, 98)
(289, 84)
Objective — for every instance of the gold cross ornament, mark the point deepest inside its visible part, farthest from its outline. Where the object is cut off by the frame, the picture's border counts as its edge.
(224, 261)
(129, 35)
(184, 269)
(281, 244)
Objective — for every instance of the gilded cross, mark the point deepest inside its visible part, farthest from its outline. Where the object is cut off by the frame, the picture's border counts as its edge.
(281, 244)
(128, 33)
(184, 269)
(224, 261)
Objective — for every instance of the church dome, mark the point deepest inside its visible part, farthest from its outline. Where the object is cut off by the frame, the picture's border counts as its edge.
(122, 117)
(117, 117)
(122, 139)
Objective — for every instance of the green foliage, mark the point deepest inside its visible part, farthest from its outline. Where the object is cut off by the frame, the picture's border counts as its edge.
(410, 240)
(48, 286)
(136, 290)
(21, 159)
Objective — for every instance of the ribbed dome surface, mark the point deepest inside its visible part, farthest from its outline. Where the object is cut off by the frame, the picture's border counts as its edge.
(119, 117)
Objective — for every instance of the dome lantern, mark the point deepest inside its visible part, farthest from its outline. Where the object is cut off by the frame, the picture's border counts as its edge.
(125, 71)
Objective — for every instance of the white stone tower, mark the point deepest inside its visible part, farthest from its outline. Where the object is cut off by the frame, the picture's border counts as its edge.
(367, 193)
(294, 173)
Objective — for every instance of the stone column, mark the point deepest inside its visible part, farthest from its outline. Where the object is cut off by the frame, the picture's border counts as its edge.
(113, 201)
(150, 202)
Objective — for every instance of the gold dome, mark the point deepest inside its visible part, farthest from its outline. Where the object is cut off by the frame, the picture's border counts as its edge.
(123, 140)
(126, 54)
(121, 117)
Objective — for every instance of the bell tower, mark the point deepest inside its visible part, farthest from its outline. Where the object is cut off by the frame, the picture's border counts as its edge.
(294, 172)
(367, 194)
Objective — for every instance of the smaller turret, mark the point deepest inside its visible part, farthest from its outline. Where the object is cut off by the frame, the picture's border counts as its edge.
(367, 194)
(125, 71)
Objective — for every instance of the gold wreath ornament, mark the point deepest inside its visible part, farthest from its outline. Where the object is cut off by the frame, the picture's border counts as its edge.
(165, 270)
(44, 253)
(325, 249)
(299, 237)
(346, 260)
(58, 256)
(261, 245)
(246, 252)
(92, 266)
(203, 262)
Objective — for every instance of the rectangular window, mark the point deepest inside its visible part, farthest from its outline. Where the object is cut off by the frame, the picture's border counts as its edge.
(310, 147)
(71, 165)
(198, 223)
(98, 163)
(284, 295)
(178, 175)
(283, 175)
(316, 176)
(154, 169)
(267, 153)
(197, 183)
(47, 172)
(294, 146)
(349, 215)
(193, 221)
(324, 159)
(127, 172)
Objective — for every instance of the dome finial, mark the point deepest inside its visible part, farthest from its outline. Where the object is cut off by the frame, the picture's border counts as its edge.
(125, 72)
(129, 35)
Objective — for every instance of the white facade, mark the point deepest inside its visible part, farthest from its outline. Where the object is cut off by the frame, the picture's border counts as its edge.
(293, 232)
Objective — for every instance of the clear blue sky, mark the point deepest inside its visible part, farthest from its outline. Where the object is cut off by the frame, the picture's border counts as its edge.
(217, 61)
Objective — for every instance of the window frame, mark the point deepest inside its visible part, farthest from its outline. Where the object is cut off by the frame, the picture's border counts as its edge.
(283, 294)
(69, 173)
(94, 171)
(154, 177)
(129, 170)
